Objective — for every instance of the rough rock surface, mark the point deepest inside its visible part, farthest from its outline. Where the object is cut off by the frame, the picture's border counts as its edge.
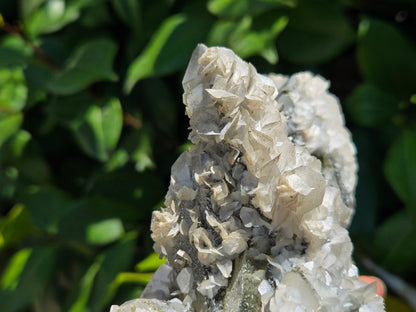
(256, 213)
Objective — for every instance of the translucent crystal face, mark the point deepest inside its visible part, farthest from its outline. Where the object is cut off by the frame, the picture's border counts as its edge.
(256, 213)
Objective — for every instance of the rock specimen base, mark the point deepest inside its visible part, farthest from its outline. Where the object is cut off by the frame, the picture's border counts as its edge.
(256, 213)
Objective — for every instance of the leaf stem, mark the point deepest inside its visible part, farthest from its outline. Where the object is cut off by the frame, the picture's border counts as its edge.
(39, 53)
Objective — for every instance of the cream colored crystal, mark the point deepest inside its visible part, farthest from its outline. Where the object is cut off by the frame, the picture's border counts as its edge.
(256, 213)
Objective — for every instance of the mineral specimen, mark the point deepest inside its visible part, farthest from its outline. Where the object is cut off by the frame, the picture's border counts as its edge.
(256, 213)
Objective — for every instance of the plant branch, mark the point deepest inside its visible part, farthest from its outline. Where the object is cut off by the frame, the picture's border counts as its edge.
(39, 53)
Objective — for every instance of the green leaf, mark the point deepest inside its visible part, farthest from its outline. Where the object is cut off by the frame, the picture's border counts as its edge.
(400, 168)
(413, 99)
(14, 269)
(394, 242)
(235, 8)
(69, 108)
(150, 264)
(162, 104)
(17, 51)
(368, 188)
(11, 58)
(139, 146)
(370, 106)
(15, 226)
(9, 124)
(26, 275)
(96, 16)
(47, 206)
(13, 90)
(306, 41)
(117, 160)
(95, 215)
(98, 128)
(15, 146)
(112, 264)
(89, 63)
(9, 178)
(28, 7)
(105, 231)
(244, 41)
(129, 11)
(168, 50)
(85, 286)
(112, 122)
(32, 166)
(51, 16)
(386, 58)
(37, 76)
(144, 65)
(128, 277)
(143, 190)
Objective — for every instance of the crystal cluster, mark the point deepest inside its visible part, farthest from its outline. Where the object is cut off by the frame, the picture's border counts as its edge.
(256, 213)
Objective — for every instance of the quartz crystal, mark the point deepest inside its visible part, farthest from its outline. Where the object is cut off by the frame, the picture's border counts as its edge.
(257, 210)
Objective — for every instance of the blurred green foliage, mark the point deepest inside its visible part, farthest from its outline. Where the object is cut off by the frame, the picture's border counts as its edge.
(91, 121)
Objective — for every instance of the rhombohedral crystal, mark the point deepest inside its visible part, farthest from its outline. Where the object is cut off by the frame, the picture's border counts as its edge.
(257, 210)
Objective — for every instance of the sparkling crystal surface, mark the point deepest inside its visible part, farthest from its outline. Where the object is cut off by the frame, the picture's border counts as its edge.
(257, 210)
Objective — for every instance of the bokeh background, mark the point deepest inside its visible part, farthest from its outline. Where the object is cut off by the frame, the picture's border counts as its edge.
(91, 120)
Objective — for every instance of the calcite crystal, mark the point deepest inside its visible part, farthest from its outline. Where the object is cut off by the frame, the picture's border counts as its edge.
(257, 210)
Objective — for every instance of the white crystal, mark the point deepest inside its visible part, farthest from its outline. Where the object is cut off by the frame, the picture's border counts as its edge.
(257, 210)
(185, 280)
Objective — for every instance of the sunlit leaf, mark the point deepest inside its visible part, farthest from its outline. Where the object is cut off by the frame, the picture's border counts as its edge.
(15, 226)
(112, 264)
(9, 124)
(144, 65)
(98, 220)
(15, 51)
(129, 278)
(168, 50)
(89, 63)
(10, 277)
(98, 128)
(244, 41)
(51, 16)
(13, 90)
(112, 122)
(86, 284)
(31, 270)
(16, 145)
(139, 146)
(28, 7)
(117, 160)
(150, 264)
(104, 231)
(234, 8)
